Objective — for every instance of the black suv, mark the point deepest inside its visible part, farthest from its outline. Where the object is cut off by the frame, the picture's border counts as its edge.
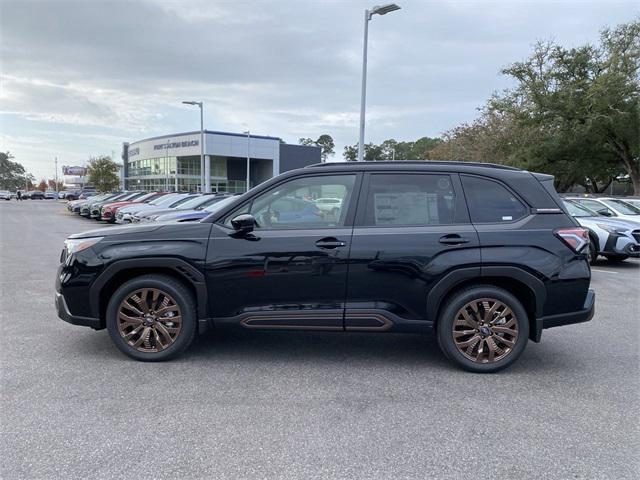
(484, 256)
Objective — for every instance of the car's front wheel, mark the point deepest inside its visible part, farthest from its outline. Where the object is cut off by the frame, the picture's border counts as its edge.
(483, 329)
(152, 317)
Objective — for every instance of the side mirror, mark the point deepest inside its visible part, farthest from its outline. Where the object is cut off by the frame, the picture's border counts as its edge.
(243, 223)
(605, 212)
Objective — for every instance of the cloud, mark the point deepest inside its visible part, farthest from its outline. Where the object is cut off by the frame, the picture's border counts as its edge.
(89, 75)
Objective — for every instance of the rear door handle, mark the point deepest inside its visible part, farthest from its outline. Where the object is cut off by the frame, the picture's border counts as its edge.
(330, 242)
(453, 239)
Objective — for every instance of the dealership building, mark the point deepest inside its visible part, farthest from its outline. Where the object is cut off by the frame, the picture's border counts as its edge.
(172, 162)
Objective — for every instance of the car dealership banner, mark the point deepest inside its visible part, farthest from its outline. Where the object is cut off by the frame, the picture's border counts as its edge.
(74, 171)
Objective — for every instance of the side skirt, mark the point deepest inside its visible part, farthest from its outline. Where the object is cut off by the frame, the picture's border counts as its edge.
(354, 320)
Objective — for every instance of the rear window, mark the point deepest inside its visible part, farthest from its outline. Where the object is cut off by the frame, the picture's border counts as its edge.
(491, 202)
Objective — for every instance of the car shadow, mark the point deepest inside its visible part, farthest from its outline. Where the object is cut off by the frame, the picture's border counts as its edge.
(244, 349)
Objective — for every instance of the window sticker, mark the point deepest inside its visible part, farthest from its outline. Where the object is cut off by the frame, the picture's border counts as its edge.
(407, 208)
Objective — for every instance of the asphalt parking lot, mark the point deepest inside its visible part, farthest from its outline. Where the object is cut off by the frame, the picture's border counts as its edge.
(304, 405)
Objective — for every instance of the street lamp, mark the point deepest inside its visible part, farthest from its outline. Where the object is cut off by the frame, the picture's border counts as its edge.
(377, 10)
(248, 134)
(205, 174)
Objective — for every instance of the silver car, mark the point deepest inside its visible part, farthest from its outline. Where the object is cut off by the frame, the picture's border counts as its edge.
(614, 239)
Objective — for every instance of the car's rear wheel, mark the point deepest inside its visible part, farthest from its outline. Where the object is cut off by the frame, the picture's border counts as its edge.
(483, 329)
(152, 318)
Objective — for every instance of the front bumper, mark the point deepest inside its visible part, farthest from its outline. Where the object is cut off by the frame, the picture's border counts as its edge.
(622, 244)
(123, 218)
(580, 316)
(65, 314)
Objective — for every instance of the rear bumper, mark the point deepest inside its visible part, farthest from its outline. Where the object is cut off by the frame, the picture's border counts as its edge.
(65, 314)
(569, 318)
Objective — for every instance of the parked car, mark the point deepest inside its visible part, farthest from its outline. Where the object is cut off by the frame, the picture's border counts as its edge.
(109, 211)
(483, 256)
(632, 201)
(50, 194)
(5, 195)
(329, 205)
(75, 206)
(36, 195)
(609, 207)
(91, 209)
(193, 203)
(125, 214)
(197, 213)
(614, 239)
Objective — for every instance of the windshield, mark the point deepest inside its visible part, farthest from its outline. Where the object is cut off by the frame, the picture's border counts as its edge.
(165, 200)
(129, 196)
(187, 203)
(220, 204)
(576, 210)
(623, 207)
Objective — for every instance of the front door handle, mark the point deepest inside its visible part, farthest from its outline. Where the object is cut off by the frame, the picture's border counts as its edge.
(453, 239)
(330, 242)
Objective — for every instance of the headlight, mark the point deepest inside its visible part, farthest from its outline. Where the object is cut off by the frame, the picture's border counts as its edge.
(74, 245)
(611, 229)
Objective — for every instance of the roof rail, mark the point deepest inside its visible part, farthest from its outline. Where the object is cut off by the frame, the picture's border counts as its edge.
(415, 162)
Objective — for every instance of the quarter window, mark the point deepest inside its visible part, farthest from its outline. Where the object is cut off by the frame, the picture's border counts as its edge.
(491, 202)
(409, 199)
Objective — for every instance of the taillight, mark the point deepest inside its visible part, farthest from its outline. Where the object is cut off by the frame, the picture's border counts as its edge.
(575, 238)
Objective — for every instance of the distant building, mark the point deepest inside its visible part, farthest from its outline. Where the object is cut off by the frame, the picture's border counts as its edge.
(171, 162)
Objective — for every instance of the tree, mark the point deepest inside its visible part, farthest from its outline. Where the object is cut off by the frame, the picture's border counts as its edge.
(58, 187)
(324, 141)
(42, 186)
(12, 174)
(573, 113)
(393, 150)
(102, 173)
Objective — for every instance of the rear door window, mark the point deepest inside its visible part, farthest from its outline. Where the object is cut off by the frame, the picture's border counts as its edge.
(409, 200)
(491, 202)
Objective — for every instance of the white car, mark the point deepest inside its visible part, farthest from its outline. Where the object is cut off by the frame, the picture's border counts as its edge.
(613, 238)
(610, 207)
(633, 201)
(329, 205)
(5, 195)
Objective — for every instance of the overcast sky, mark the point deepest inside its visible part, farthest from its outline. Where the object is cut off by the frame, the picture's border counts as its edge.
(79, 78)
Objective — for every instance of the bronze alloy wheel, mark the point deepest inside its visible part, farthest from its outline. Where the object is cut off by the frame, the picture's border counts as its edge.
(485, 330)
(149, 320)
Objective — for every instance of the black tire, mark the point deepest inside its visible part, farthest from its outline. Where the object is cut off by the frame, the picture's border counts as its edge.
(616, 258)
(448, 316)
(593, 254)
(183, 298)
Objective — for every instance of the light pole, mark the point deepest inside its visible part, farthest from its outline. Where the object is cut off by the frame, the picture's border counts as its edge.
(248, 157)
(379, 10)
(205, 175)
(166, 167)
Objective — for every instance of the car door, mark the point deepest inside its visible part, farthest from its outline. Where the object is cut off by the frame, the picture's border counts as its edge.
(291, 270)
(411, 230)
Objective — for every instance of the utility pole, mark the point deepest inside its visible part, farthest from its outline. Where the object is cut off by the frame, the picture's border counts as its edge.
(377, 10)
(248, 158)
(166, 167)
(56, 175)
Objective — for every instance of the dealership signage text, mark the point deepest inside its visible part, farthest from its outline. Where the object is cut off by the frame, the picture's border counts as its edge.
(183, 144)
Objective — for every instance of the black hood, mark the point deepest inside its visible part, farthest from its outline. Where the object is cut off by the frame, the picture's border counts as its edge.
(111, 231)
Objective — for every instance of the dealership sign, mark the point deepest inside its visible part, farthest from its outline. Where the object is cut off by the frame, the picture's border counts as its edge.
(183, 144)
(75, 171)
